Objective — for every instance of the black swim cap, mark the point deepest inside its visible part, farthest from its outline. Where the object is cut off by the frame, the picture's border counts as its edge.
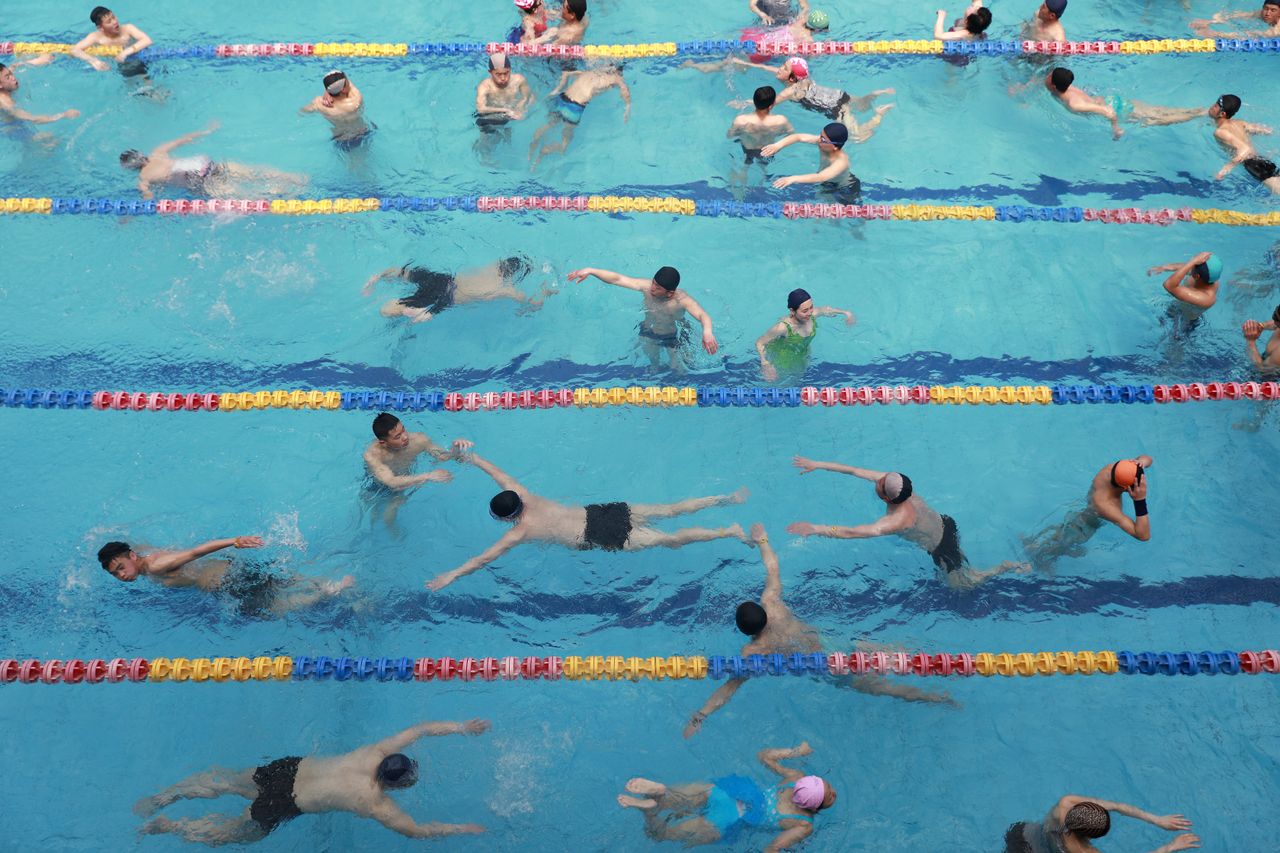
(1062, 79)
(577, 7)
(751, 618)
(133, 159)
(837, 133)
(397, 771)
(668, 278)
(766, 95)
(1088, 819)
(1229, 104)
(505, 505)
(796, 298)
(110, 551)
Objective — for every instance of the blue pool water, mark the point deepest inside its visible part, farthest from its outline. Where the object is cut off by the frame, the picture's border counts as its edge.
(246, 303)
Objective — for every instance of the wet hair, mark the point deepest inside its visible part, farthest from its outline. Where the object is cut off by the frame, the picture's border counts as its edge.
(765, 96)
(796, 298)
(751, 618)
(110, 551)
(1062, 79)
(98, 13)
(1229, 104)
(1088, 819)
(1271, 2)
(1275, 315)
(383, 424)
(577, 7)
(133, 159)
(668, 278)
(3, 66)
(980, 20)
(397, 770)
(505, 505)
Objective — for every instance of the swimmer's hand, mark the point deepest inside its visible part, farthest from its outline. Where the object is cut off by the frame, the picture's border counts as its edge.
(1222, 173)
(770, 149)
(767, 20)
(475, 727)
(1186, 841)
(437, 476)
(69, 114)
(802, 750)
(1252, 330)
(467, 829)
(781, 183)
(709, 343)
(439, 582)
(1172, 822)
(1138, 491)
(1201, 258)
(248, 541)
(580, 275)
(802, 528)
(462, 447)
(326, 100)
(42, 59)
(849, 319)
(97, 64)
(806, 466)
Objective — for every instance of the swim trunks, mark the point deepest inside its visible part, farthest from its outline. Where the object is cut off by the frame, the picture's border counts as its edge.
(948, 556)
(827, 100)
(1261, 168)
(570, 110)
(670, 340)
(845, 191)
(255, 590)
(435, 289)
(753, 155)
(608, 526)
(354, 141)
(1122, 108)
(275, 804)
(132, 68)
(491, 122)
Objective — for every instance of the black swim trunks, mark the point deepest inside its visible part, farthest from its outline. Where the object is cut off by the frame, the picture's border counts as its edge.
(753, 155)
(132, 68)
(948, 556)
(670, 340)
(608, 526)
(353, 141)
(491, 122)
(435, 289)
(844, 191)
(275, 804)
(254, 589)
(1261, 168)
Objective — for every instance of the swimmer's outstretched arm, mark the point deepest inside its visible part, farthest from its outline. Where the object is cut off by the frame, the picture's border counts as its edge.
(390, 815)
(8, 106)
(502, 478)
(1171, 822)
(625, 92)
(770, 758)
(509, 540)
(389, 272)
(789, 139)
(881, 527)
(717, 700)
(830, 173)
(168, 148)
(403, 740)
(808, 465)
(829, 311)
(564, 81)
(79, 52)
(789, 838)
(171, 560)
(610, 277)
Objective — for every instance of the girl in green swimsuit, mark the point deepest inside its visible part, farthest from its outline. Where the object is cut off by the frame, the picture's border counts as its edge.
(785, 346)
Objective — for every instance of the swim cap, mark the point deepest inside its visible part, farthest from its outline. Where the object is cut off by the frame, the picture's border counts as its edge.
(1229, 104)
(526, 5)
(1062, 78)
(505, 505)
(817, 20)
(1210, 270)
(1057, 7)
(1088, 819)
(837, 133)
(796, 298)
(1124, 473)
(498, 61)
(809, 793)
(751, 618)
(110, 551)
(897, 487)
(334, 82)
(668, 278)
(799, 68)
(397, 771)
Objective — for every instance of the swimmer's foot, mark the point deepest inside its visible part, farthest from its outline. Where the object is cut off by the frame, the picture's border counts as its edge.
(646, 787)
(633, 803)
(735, 531)
(738, 497)
(878, 92)
(336, 587)
(155, 826)
(147, 806)
(884, 108)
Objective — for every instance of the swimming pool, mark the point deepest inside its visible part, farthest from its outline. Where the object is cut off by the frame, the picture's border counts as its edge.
(226, 303)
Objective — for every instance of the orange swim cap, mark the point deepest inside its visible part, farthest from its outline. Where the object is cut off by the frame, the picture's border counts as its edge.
(1124, 473)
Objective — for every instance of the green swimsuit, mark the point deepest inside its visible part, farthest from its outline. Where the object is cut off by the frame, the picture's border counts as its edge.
(790, 353)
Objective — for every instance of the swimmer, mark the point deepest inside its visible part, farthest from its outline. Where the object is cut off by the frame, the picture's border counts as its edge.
(723, 808)
(835, 104)
(1234, 135)
(576, 89)
(1196, 296)
(664, 307)
(111, 33)
(774, 629)
(533, 20)
(1047, 23)
(391, 456)
(572, 27)
(200, 175)
(789, 339)
(971, 27)
(757, 129)
(258, 593)
(1268, 361)
(772, 12)
(502, 97)
(9, 85)
(1104, 504)
(1269, 15)
(358, 782)
(1075, 821)
(343, 105)
(609, 527)
(778, 40)
(911, 518)
(437, 291)
(1113, 108)
(833, 164)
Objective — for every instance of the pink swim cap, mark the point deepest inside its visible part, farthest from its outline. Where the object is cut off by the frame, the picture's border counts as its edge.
(809, 793)
(526, 4)
(799, 67)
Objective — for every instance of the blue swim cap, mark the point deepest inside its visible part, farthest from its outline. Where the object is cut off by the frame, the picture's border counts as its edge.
(1057, 7)
(1210, 271)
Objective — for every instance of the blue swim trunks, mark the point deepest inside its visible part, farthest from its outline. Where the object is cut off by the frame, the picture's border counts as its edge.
(1121, 107)
(569, 110)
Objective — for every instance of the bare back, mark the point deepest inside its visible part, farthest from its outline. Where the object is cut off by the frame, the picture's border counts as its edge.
(546, 520)
(924, 527)
(585, 85)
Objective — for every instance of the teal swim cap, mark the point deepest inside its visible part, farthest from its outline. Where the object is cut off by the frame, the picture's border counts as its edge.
(817, 20)
(1210, 270)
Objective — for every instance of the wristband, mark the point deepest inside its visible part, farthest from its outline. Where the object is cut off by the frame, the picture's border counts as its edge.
(1140, 507)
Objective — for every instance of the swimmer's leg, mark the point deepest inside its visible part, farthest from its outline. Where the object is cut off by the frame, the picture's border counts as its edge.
(308, 591)
(860, 133)
(1062, 540)
(874, 685)
(642, 537)
(553, 148)
(1152, 115)
(1273, 184)
(537, 138)
(708, 67)
(968, 578)
(864, 103)
(640, 513)
(214, 830)
(693, 832)
(389, 513)
(395, 308)
(212, 783)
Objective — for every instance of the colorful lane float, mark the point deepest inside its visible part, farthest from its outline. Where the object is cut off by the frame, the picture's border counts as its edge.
(546, 398)
(616, 667)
